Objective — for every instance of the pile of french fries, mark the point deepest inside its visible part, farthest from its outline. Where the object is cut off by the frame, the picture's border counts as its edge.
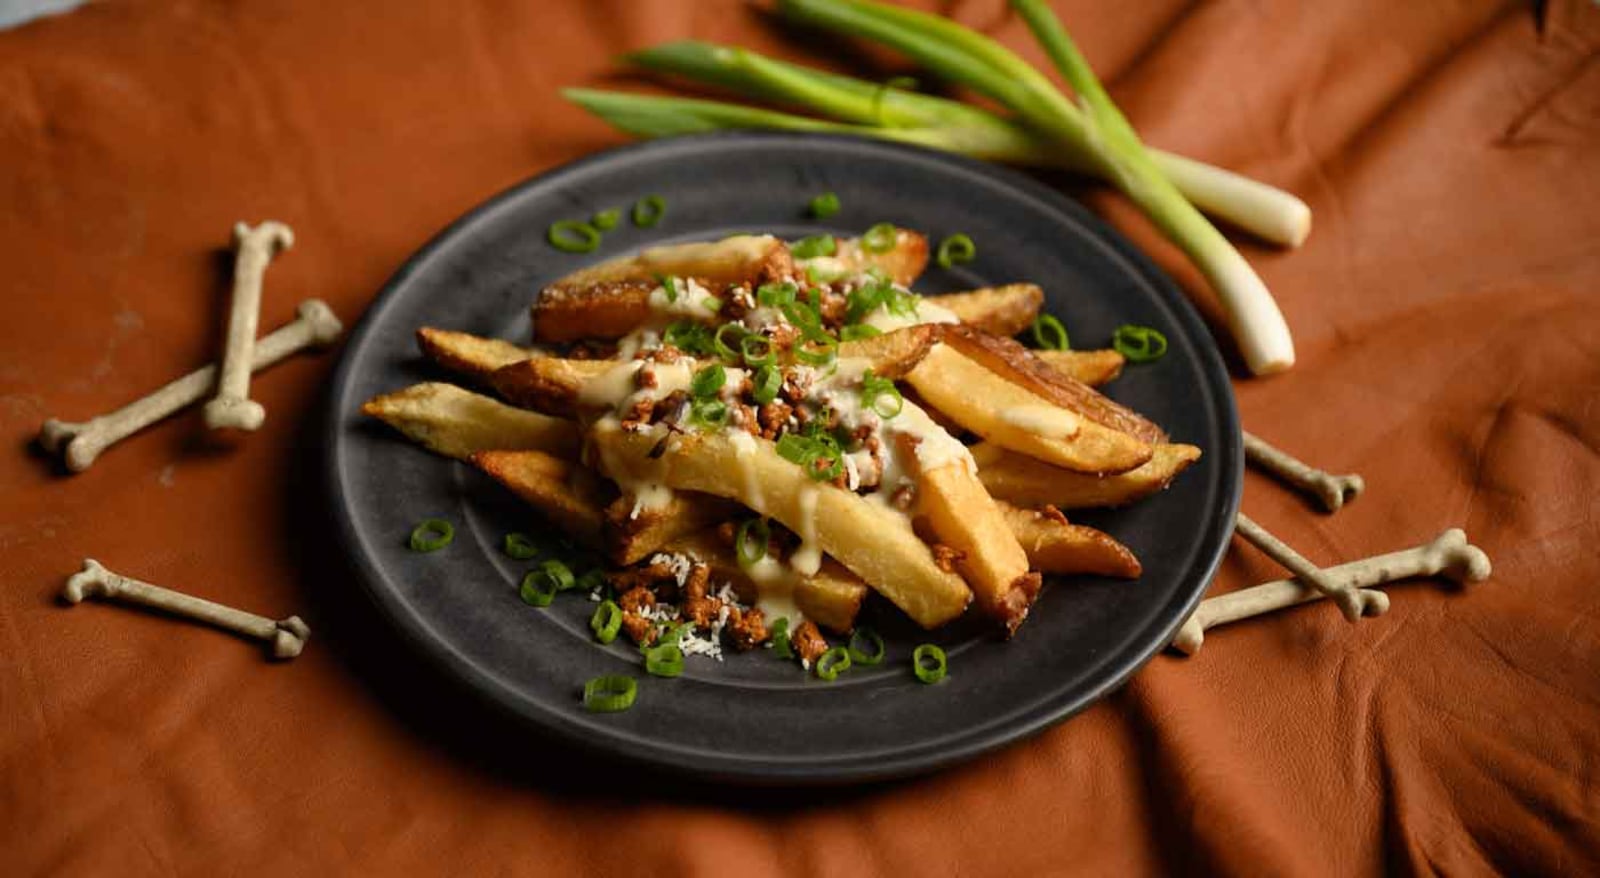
(991, 443)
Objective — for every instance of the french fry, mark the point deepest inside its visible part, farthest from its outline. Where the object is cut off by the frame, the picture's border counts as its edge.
(985, 402)
(569, 496)
(1093, 368)
(456, 423)
(634, 530)
(893, 354)
(466, 354)
(1055, 545)
(1024, 481)
(872, 540)
(831, 597)
(903, 262)
(1005, 310)
(550, 385)
(962, 516)
(611, 299)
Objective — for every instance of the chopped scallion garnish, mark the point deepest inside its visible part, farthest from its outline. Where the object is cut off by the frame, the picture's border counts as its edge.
(866, 646)
(432, 535)
(832, 663)
(859, 332)
(689, 337)
(880, 238)
(538, 589)
(521, 546)
(817, 351)
(606, 621)
(664, 661)
(813, 247)
(757, 350)
(573, 236)
(957, 249)
(606, 220)
(1049, 334)
(767, 383)
(649, 210)
(880, 395)
(709, 413)
(670, 285)
(775, 295)
(780, 639)
(609, 694)
(708, 381)
(1140, 344)
(929, 663)
(825, 205)
(750, 541)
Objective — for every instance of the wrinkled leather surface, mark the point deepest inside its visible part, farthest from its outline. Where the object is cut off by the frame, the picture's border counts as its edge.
(1449, 335)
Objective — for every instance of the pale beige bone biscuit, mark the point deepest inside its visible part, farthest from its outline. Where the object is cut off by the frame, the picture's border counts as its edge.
(1331, 490)
(232, 407)
(1351, 601)
(286, 637)
(82, 442)
(1448, 555)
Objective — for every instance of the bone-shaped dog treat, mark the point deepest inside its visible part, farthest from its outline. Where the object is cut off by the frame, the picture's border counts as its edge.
(1448, 555)
(232, 406)
(286, 636)
(1351, 601)
(1334, 491)
(83, 442)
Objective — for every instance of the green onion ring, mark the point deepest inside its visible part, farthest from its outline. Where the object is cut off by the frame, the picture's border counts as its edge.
(606, 621)
(781, 646)
(432, 535)
(929, 663)
(825, 205)
(775, 295)
(750, 541)
(538, 589)
(767, 383)
(832, 663)
(708, 381)
(829, 350)
(521, 546)
(664, 661)
(757, 350)
(610, 694)
(593, 582)
(709, 412)
(712, 304)
(573, 236)
(1049, 334)
(957, 249)
(813, 246)
(722, 348)
(649, 210)
(1140, 344)
(859, 332)
(607, 219)
(860, 640)
(880, 238)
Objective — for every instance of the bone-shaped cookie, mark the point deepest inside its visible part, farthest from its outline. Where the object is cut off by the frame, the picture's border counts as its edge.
(1448, 555)
(1352, 601)
(286, 636)
(232, 406)
(1333, 491)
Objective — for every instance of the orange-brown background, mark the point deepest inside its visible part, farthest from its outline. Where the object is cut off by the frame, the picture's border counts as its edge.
(1449, 337)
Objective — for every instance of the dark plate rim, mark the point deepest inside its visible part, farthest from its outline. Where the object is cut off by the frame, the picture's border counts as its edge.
(849, 769)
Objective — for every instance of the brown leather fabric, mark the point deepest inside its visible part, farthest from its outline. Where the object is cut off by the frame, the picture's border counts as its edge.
(1449, 338)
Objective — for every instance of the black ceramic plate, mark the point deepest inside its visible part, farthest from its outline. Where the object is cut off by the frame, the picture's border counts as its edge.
(753, 717)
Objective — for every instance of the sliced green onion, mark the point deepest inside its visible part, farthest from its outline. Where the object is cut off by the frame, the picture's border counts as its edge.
(521, 546)
(781, 646)
(711, 413)
(796, 448)
(814, 246)
(1140, 344)
(750, 541)
(804, 317)
(606, 621)
(880, 395)
(817, 351)
(606, 220)
(649, 210)
(957, 249)
(669, 284)
(573, 236)
(825, 205)
(561, 573)
(537, 589)
(611, 694)
(712, 304)
(664, 661)
(767, 383)
(689, 337)
(819, 275)
(1049, 334)
(775, 295)
(859, 332)
(835, 465)
(880, 238)
(593, 581)
(757, 350)
(432, 535)
(866, 646)
(724, 347)
(832, 663)
(929, 663)
(708, 381)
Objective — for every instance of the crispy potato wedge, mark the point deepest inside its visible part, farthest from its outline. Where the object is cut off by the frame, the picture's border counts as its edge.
(611, 299)
(466, 354)
(831, 597)
(981, 400)
(548, 384)
(896, 353)
(1005, 310)
(872, 540)
(903, 263)
(456, 423)
(1018, 365)
(961, 515)
(1093, 368)
(1024, 481)
(1055, 545)
(569, 495)
(634, 530)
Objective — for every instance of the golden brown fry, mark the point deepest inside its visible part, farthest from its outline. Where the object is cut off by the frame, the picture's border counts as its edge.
(1020, 479)
(831, 597)
(1005, 310)
(635, 530)
(903, 263)
(985, 402)
(871, 539)
(570, 496)
(611, 299)
(893, 354)
(961, 515)
(1055, 545)
(454, 422)
(1093, 368)
(464, 353)
(547, 384)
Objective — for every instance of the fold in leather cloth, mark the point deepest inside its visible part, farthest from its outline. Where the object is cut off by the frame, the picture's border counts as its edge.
(1449, 345)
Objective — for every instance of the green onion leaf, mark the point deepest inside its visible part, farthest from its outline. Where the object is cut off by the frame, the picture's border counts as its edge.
(825, 205)
(712, 304)
(781, 646)
(750, 541)
(814, 246)
(538, 589)
(432, 535)
(859, 332)
(796, 448)
(606, 220)
(866, 646)
(573, 236)
(1049, 334)
(710, 413)
(929, 663)
(649, 210)
(767, 383)
(606, 621)
(880, 238)
(723, 347)
(775, 295)
(957, 249)
(832, 663)
(818, 275)
(520, 546)
(670, 285)
(664, 661)
(880, 395)
(1140, 344)
(708, 381)
(611, 694)
(757, 350)
(691, 338)
(594, 582)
